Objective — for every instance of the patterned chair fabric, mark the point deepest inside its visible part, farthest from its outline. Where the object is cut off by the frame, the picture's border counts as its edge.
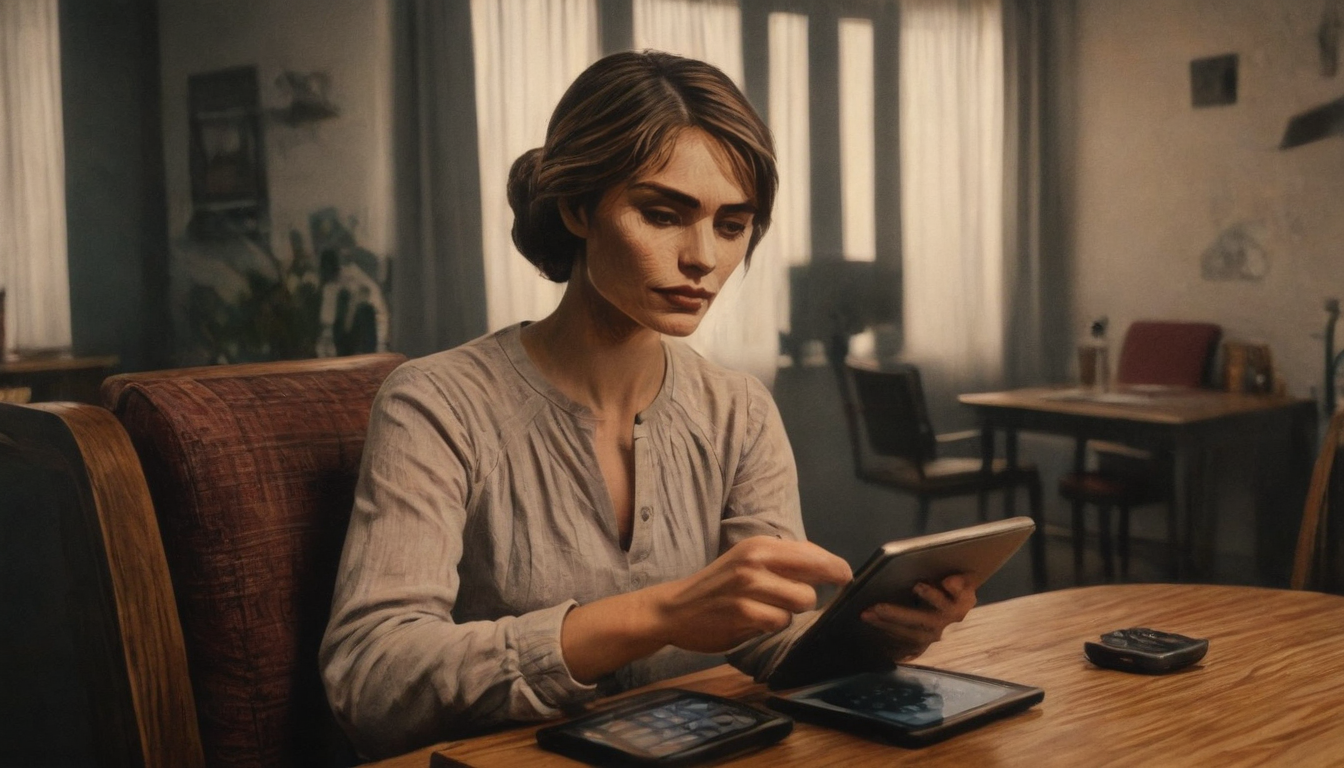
(252, 471)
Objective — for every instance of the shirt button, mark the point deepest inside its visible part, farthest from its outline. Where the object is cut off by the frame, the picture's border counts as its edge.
(637, 580)
(644, 513)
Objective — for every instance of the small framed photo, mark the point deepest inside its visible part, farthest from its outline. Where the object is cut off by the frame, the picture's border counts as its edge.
(228, 160)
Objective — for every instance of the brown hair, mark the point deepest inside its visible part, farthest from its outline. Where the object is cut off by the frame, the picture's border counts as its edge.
(617, 120)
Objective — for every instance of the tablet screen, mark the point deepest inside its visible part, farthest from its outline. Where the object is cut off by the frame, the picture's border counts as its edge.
(665, 727)
(670, 726)
(914, 698)
(910, 705)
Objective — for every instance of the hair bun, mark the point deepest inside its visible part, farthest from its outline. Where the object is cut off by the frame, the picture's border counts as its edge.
(522, 180)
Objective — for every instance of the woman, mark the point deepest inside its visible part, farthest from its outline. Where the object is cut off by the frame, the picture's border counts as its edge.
(576, 506)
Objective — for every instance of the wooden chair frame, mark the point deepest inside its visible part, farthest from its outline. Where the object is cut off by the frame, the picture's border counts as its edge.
(121, 605)
(1313, 538)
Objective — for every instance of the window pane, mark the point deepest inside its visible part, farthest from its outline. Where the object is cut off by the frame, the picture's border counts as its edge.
(857, 157)
(789, 116)
(32, 178)
(708, 30)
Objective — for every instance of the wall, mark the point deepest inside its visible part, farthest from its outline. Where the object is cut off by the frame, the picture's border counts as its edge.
(1159, 182)
(341, 165)
(114, 196)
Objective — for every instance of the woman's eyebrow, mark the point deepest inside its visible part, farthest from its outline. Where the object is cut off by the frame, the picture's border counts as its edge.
(688, 201)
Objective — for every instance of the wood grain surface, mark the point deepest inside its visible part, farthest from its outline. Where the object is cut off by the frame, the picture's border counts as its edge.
(1161, 406)
(1268, 693)
(78, 462)
(47, 363)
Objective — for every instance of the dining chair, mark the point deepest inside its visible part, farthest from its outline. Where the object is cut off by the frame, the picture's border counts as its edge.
(1153, 353)
(1318, 563)
(894, 445)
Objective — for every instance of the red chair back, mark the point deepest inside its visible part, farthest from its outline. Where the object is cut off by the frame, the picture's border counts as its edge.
(1170, 353)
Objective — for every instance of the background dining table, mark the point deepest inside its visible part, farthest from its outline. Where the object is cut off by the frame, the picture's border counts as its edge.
(1189, 424)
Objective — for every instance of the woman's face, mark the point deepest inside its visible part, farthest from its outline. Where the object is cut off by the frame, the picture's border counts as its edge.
(660, 248)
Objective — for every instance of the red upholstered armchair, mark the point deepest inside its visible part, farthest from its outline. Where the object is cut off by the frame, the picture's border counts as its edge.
(203, 525)
(252, 470)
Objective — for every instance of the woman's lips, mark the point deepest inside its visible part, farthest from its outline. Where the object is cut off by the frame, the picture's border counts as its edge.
(690, 299)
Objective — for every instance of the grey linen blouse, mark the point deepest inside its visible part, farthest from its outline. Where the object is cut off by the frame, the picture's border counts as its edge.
(481, 518)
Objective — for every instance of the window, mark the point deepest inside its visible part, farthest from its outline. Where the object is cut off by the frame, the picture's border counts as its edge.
(32, 178)
(790, 239)
(952, 153)
(858, 161)
(527, 52)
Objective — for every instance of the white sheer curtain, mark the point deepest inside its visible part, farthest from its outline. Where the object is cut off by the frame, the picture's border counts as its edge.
(789, 241)
(33, 266)
(526, 53)
(951, 102)
(858, 156)
(740, 331)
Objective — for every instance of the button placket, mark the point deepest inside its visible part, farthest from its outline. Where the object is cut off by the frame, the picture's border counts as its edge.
(639, 540)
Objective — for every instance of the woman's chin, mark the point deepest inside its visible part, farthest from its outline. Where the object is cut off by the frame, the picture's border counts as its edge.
(678, 325)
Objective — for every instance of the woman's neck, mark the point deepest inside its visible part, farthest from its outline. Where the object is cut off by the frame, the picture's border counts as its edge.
(596, 355)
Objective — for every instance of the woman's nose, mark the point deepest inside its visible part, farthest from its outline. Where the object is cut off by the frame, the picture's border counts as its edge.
(699, 251)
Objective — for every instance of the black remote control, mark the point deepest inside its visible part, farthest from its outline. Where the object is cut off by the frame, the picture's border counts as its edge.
(1139, 649)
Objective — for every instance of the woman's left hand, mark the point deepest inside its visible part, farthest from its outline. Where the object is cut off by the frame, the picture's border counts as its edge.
(912, 630)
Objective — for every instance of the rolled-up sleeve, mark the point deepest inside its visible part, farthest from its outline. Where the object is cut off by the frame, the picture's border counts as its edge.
(399, 671)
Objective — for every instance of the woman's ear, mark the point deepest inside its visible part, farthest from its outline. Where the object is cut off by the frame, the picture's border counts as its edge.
(576, 220)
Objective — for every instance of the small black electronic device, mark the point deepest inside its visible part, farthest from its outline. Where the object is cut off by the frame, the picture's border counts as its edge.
(910, 706)
(1139, 649)
(839, 643)
(671, 727)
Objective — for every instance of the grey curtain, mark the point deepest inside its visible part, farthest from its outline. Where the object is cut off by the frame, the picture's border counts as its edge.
(1038, 39)
(438, 281)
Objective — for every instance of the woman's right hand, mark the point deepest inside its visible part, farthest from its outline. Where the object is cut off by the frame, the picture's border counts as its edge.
(754, 588)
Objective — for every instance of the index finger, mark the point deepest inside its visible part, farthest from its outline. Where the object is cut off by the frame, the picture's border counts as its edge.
(799, 560)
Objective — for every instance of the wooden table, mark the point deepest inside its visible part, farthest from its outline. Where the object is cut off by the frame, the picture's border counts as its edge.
(1267, 693)
(57, 376)
(1184, 422)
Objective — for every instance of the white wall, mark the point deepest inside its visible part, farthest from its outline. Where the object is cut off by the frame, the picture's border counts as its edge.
(1158, 180)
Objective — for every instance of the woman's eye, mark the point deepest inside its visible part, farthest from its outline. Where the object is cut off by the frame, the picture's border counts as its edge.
(660, 217)
(732, 229)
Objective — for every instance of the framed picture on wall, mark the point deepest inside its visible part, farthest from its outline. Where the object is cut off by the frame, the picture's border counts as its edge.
(228, 159)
